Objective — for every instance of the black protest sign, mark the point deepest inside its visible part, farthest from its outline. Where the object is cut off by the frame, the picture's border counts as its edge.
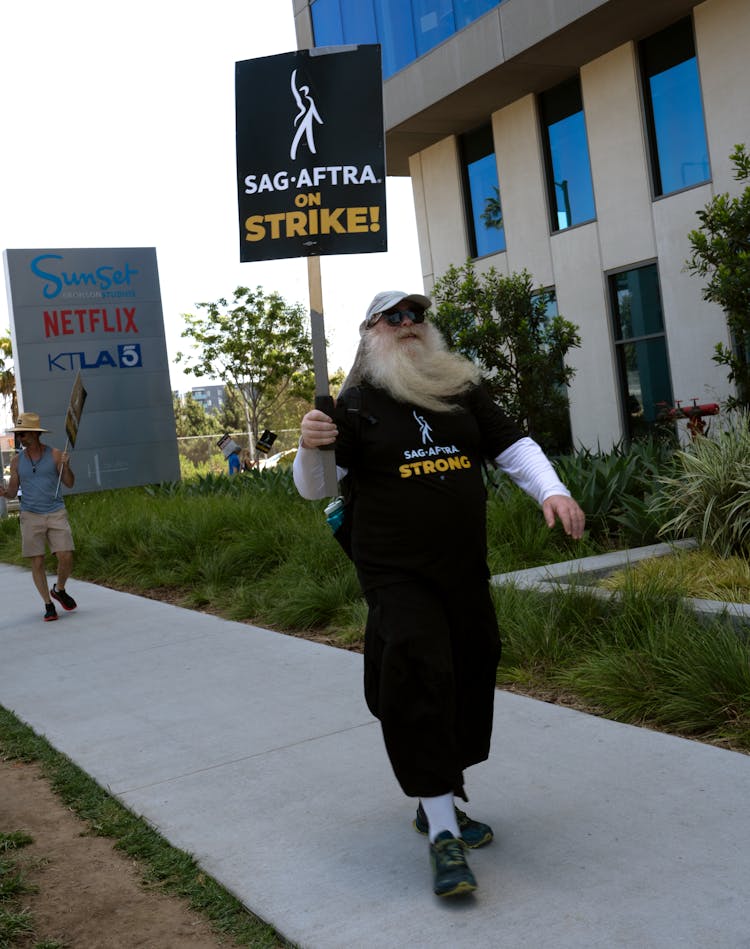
(310, 154)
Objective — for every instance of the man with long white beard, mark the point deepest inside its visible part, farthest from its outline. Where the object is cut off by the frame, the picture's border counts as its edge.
(412, 428)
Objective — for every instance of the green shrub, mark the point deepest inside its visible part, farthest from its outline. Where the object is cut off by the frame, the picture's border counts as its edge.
(517, 534)
(658, 664)
(708, 497)
(542, 632)
(644, 658)
(616, 488)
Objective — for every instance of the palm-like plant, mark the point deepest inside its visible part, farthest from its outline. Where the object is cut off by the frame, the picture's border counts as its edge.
(7, 375)
(709, 497)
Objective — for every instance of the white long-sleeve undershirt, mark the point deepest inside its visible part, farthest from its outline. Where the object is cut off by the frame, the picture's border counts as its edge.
(527, 466)
(308, 472)
(524, 462)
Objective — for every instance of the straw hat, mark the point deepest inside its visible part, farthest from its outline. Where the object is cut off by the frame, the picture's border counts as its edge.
(28, 422)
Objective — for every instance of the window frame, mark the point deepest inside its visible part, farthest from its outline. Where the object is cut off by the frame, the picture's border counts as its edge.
(549, 170)
(466, 194)
(620, 341)
(648, 116)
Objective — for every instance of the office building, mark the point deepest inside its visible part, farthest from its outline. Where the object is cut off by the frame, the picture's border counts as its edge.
(212, 398)
(594, 130)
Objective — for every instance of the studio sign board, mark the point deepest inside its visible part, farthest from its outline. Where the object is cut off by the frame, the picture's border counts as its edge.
(310, 153)
(95, 315)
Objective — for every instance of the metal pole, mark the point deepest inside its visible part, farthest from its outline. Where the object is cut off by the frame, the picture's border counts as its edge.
(323, 400)
(59, 474)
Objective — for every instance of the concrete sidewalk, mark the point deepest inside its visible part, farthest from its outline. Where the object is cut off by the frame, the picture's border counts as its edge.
(255, 752)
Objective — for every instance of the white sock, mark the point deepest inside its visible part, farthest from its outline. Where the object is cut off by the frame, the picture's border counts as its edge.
(441, 815)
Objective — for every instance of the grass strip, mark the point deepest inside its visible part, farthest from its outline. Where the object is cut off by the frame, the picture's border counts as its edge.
(645, 659)
(694, 573)
(15, 922)
(164, 867)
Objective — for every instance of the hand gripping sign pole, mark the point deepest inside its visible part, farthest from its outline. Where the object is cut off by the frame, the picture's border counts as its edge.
(323, 400)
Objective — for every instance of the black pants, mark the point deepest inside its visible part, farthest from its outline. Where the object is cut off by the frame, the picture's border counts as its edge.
(431, 656)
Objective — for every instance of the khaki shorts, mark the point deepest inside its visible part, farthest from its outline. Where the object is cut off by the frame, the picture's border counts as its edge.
(40, 529)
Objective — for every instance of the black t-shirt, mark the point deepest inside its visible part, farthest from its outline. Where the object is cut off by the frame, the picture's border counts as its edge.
(419, 501)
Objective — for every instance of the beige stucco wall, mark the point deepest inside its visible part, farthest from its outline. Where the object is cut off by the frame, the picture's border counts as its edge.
(303, 24)
(617, 151)
(693, 326)
(722, 37)
(440, 212)
(422, 218)
(581, 298)
(522, 190)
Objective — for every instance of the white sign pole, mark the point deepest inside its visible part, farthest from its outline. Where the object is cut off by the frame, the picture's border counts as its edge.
(323, 400)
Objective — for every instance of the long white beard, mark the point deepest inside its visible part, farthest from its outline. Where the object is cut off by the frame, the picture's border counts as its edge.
(421, 372)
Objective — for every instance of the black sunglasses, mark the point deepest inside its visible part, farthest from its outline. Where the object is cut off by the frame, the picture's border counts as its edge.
(395, 317)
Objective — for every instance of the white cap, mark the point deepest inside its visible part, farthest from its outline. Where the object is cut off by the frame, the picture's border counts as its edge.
(389, 298)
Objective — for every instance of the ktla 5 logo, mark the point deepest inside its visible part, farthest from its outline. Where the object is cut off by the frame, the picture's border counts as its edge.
(127, 356)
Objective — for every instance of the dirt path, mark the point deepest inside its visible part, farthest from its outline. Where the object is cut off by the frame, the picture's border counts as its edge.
(90, 895)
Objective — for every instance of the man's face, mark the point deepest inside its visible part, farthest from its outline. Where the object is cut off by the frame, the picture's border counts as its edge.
(28, 439)
(407, 333)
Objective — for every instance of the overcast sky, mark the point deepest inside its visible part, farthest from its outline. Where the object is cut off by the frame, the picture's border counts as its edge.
(118, 131)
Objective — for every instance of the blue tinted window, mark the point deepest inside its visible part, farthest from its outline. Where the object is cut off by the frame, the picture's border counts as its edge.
(433, 23)
(327, 25)
(550, 302)
(405, 29)
(571, 193)
(395, 34)
(638, 306)
(674, 110)
(484, 209)
(359, 22)
(641, 346)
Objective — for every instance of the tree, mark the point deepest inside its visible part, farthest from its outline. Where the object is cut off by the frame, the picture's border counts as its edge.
(192, 422)
(721, 252)
(260, 349)
(492, 215)
(231, 416)
(7, 376)
(190, 417)
(502, 323)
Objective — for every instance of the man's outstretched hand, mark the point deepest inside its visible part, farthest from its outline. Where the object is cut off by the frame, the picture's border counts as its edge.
(566, 510)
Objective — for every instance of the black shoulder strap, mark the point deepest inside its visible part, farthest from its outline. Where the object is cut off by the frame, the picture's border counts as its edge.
(356, 411)
(356, 404)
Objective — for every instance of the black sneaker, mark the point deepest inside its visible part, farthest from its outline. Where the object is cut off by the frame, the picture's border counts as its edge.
(64, 599)
(453, 876)
(50, 612)
(473, 833)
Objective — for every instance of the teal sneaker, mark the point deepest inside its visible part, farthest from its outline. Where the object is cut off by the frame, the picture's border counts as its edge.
(473, 833)
(452, 874)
